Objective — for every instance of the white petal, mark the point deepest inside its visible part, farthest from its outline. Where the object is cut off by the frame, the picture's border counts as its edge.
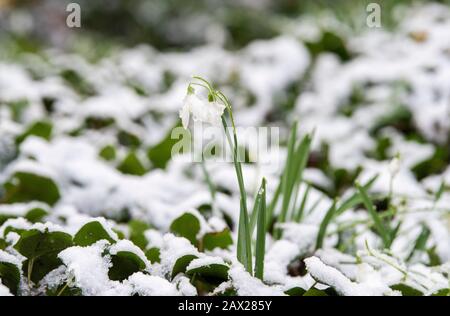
(184, 115)
(185, 112)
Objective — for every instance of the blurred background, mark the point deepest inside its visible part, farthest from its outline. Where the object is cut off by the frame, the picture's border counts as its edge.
(30, 25)
(120, 78)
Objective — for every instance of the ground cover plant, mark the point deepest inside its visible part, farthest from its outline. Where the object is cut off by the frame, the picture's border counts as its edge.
(354, 199)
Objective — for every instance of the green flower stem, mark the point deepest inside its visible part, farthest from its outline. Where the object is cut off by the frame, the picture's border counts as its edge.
(244, 249)
(30, 270)
(211, 187)
(261, 233)
(244, 246)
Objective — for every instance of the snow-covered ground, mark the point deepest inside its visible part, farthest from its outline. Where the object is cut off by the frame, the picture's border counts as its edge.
(98, 155)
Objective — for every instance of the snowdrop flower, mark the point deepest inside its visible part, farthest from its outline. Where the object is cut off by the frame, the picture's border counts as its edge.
(202, 110)
(394, 166)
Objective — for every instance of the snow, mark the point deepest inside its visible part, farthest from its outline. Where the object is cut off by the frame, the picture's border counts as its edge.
(8, 258)
(106, 226)
(4, 291)
(90, 270)
(392, 70)
(246, 285)
(278, 257)
(128, 246)
(21, 209)
(302, 235)
(204, 262)
(184, 286)
(370, 283)
(18, 223)
(332, 277)
(154, 237)
(148, 285)
(174, 248)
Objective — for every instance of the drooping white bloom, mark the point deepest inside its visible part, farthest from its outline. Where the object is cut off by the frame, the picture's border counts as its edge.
(202, 110)
(394, 166)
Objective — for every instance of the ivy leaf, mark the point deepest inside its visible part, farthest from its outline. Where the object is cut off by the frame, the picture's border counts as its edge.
(33, 215)
(214, 273)
(41, 249)
(10, 276)
(132, 165)
(90, 233)
(137, 229)
(161, 153)
(406, 290)
(36, 214)
(153, 255)
(329, 42)
(181, 264)
(434, 258)
(221, 240)
(40, 129)
(187, 226)
(124, 264)
(3, 244)
(25, 187)
(108, 153)
(295, 291)
(128, 139)
(442, 292)
(315, 292)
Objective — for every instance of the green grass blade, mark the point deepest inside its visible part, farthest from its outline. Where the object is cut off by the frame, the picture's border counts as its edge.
(323, 226)
(293, 174)
(393, 233)
(254, 215)
(261, 234)
(288, 168)
(421, 242)
(244, 245)
(299, 163)
(440, 191)
(316, 203)
(272, 205)
(355, 199)
(299, 214)
(293, 203)
(212, 189)
(244, 253)
(379, 226)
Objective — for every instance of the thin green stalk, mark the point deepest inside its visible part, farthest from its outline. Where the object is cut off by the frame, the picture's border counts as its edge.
(30, 270)
(63, 289)
(385, 259)
(379, 226)
(272, 205)
(299, 214)
(439, 193)
(295, 164)
(261, 234)
(293, 203)
(323, 226)
(244, 247)
(254, 215)
(420, 242)
(355, 198)
(211, 187)
(368, 222)
(313, 208)
(287, 174)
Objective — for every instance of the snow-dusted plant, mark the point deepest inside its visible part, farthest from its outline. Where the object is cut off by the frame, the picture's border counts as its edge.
(212, 111)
